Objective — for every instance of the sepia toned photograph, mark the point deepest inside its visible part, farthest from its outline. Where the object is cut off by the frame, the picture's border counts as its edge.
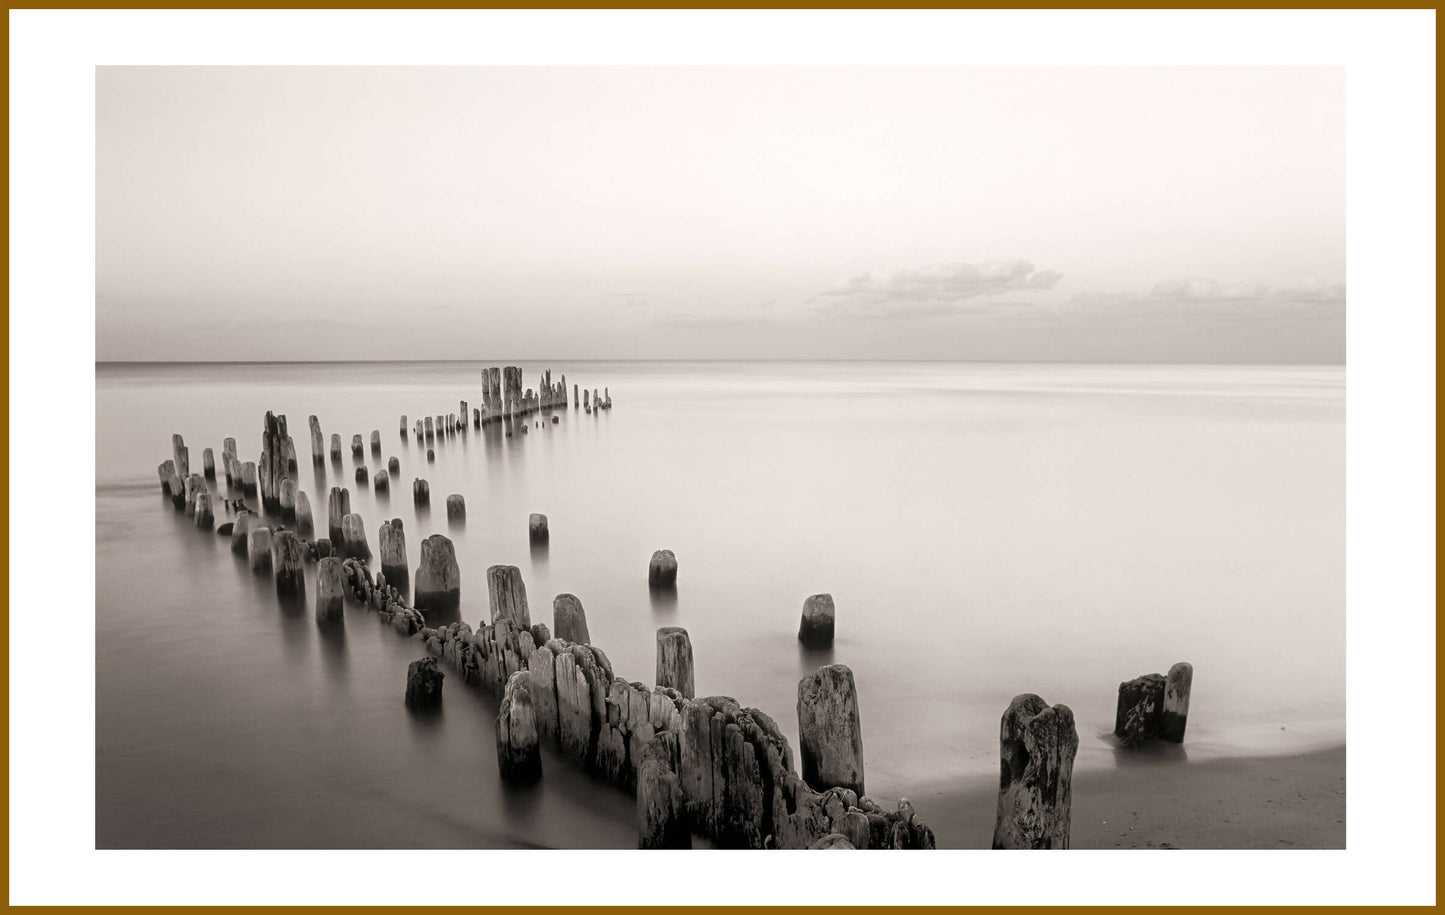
(720, 457)
(523, 441)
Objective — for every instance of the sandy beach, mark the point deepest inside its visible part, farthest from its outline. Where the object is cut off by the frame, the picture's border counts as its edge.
(1158, 799)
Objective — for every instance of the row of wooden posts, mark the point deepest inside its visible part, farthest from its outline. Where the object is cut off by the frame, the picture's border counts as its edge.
(738, 789)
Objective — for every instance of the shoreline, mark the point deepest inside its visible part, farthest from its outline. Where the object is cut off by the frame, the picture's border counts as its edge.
(1159, 799)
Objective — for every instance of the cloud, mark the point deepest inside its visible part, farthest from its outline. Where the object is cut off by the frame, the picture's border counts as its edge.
(950, 282)
(1313, 292)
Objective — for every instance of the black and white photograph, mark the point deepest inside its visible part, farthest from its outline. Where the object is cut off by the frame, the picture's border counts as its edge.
(706, 454)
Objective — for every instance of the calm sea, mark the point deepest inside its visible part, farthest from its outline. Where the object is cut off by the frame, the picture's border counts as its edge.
(985, 530)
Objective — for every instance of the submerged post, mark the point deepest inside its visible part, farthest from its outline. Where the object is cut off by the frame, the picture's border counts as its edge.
(830, 737)
(456, 508)
(674, 660)
(1136, 717)
(816, 629)
(260, 549)
(288, 559)
(438, 577)
(662, 570)
(305, 526)
(353, 538)
(338, 506)
(335, 448)
(392, 545)
(424, 685)
(330, 590)
(537, 532)
(1037, 744)
(318, 448)
(420, 493)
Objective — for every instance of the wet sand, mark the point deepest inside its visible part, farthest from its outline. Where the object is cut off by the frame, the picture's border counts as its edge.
(1158, 799)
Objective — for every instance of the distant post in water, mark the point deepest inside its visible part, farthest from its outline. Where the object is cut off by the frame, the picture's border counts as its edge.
(1037, 745)
(1141, 702)
(816, 629)
(830, 736)
(662, 570)
(420, 493)
(456, 508)
(438, 577)
(288, 500)
(318, 447)
(356, 447)
(507, 596)
(305, 526)
(674, 660)
(376, 442)
(537, 532)
(260, 549)
(208, 464)
(1176, 701)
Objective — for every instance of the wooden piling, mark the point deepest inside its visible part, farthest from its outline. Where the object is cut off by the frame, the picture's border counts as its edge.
(288, 560)
(662, 570)
(537, 531)
(1175, 715)
(335, 448)
(456, 508)
(1037, 745)
(438, 577)
(382, 482)
(816, 628)
(259, 548)
(330, 590)
(376, 442)
(424, 685)
(507, 596)
(519, 754)
(318, 447)
(674, 660)
(569, 620)
(357, 449)
(391, 543)
(288, 500)
(305, 525)
(353, 538)
(830, 736)
(338, 506)
(208, 464)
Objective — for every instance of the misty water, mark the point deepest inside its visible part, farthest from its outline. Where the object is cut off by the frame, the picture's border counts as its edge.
(985, 530)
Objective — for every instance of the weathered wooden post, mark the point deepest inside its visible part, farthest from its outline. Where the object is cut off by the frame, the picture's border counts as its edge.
(335, 448)
(181, 454)
(456, 508)
(569, 620)
(537, 532)
(177, 487)
(1136, 717)
(830, 736)
(816, 629)
(273, 467)
(1176, 702)
(393, 466)
(431, 456)
(507, 596)
(438, 577)
(661, 817)
(403, 425)
(674, 660)
(260, 549)
(376, 442)
(287, 500)
(208, 464)
(305, 525)
(288, 452)
(420, 493)
(318, 447)
(392, 544)
(424, 685)
(248, 479)
(519, 755)
(288, 559)
(338, 506)
(382, 482)
(575, 403)
(330, 590)
(241, 533)
(353, 538)
(430, 432)
(361, 477)
(358, 451)
(1037, 744)
(205, 517)
(662, 570)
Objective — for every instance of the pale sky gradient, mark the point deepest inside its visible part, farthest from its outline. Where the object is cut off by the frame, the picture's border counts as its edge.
(1050, 214)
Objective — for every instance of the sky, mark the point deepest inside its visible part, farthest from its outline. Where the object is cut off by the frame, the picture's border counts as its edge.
(1099, 214)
